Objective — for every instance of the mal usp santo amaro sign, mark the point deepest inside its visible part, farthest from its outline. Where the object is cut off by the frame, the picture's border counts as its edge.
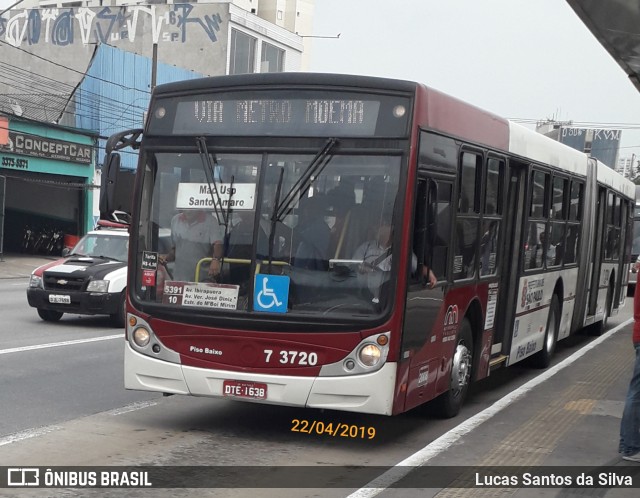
(238, 196)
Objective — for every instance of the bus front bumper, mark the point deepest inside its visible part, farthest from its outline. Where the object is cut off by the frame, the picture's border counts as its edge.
(365, 393)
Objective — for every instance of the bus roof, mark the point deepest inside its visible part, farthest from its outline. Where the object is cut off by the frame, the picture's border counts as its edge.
(608, 176)
(532, 145)
(285, 79)
(434, 110)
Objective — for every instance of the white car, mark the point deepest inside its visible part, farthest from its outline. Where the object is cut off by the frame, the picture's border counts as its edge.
(90, 280)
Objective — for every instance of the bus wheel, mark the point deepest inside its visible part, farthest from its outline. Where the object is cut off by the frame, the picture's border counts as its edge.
(49, 315)
(448, 404)
(598, 328)
(542, 358)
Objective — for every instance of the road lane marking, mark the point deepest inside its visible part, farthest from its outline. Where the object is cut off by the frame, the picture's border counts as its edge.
(444, 442)
(138, 405)
(63, 343)
(29, 433)
(41, 431)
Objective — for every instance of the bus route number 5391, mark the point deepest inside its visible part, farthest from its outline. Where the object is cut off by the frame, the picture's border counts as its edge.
(292, 357)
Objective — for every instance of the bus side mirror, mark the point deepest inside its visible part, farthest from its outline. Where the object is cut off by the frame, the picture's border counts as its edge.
(109, 184)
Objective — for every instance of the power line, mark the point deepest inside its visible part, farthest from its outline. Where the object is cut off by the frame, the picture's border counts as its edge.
(577, 124)
(28, 80)
(73, 70)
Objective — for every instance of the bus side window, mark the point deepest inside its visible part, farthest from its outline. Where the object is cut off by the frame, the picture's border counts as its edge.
(573, 224)
(468, 223)
(492, 216)
(420, 217)
(432, 212)
(537, 244)
(442, 238)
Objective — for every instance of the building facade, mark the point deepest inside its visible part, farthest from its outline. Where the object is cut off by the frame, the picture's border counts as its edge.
(92, 64)
(49, 175)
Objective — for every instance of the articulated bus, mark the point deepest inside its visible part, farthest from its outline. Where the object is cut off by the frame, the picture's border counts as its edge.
(300, 175)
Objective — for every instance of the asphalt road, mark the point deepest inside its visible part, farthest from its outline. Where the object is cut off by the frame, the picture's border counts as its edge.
(46, 378)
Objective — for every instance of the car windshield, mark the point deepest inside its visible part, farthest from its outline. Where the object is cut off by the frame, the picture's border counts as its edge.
(105, 246)
(294, 232)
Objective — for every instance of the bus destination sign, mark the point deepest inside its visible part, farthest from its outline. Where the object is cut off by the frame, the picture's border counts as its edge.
(336, 114)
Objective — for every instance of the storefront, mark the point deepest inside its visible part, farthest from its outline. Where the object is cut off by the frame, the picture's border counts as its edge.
(49, 173)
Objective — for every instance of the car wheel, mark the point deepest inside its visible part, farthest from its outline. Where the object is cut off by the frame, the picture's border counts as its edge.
(50, 315)
(119, 318)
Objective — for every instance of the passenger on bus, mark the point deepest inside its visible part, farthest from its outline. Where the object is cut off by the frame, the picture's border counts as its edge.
(313, 234)
(538, 252)
(195, 234)
(489, 249)
(341, 200)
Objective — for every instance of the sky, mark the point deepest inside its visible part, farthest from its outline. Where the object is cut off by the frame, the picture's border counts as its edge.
(520, 59)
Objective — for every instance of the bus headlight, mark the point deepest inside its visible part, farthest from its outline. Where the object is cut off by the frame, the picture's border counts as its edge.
(370, 355)
(98, 286)
(141, 336)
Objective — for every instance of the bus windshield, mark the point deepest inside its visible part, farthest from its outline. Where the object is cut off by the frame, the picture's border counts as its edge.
(297, 233)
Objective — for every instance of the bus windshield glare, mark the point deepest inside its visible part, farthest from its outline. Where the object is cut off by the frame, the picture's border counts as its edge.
(325, 252)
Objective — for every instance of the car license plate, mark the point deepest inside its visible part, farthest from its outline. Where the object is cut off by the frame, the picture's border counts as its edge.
(59, 299)
(244, 389)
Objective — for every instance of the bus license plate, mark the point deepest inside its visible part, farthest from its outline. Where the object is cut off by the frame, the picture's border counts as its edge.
(59, 299)
(244, 389)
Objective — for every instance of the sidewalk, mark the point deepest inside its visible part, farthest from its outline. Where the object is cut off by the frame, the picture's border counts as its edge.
(16, 265)
(568, 424)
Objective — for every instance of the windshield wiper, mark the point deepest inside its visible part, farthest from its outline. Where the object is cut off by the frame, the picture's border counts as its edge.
(312, 171)
(228, 218)
(207, 166)
(280, 209)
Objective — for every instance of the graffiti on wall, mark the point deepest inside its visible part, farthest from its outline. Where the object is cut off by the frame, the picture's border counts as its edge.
(106, 25)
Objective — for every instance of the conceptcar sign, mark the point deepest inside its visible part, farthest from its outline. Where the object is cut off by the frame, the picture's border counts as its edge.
(49, 148)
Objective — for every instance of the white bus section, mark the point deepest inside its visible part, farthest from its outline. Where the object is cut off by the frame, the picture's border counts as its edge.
(531, 145)
(535, 293)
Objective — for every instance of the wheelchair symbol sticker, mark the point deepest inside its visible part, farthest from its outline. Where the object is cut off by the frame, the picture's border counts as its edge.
(271, 293)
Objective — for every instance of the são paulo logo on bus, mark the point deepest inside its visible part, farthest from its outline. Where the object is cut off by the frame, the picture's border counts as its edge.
(532, 292)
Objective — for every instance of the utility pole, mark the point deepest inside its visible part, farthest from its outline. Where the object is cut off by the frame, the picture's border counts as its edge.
(154, 66)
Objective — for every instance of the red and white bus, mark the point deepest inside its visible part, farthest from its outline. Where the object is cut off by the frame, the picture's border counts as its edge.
(529, 241)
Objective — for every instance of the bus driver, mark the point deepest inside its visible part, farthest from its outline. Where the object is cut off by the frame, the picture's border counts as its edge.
(376, 254)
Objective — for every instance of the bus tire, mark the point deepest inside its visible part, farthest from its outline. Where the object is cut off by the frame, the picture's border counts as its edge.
(542, 359)
(119, 318)
(49, 315)
(449, 403)
(599, 327)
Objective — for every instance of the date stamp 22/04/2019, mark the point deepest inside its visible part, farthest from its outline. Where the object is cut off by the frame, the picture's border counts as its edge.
(333, 429)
